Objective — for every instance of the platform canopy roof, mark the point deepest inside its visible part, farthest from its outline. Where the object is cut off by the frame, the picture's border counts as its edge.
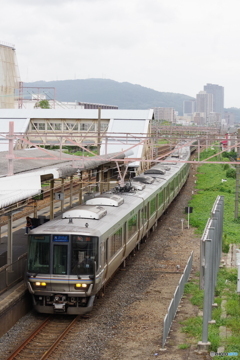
(33, 166)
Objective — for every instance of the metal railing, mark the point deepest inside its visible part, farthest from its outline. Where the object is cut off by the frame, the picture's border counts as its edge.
(212, 232)
(210, 257)
(172, 309)
(12, 274)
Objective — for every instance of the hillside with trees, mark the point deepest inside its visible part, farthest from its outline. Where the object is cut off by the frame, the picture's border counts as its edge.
(124, 95)
(102, 91)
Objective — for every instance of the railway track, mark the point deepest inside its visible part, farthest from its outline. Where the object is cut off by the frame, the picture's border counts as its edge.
(126, 323)
(44, 340)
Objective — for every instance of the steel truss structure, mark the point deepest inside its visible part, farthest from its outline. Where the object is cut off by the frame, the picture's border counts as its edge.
(132, 140)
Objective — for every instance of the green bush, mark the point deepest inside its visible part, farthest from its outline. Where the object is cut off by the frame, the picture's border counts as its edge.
(231, 173)
(230, 155)
(226, 166)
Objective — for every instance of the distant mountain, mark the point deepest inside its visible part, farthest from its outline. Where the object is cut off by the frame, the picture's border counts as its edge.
(109, 92)
(236, 112)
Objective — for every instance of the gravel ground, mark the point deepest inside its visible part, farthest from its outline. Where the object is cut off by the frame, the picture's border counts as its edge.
(127, 322)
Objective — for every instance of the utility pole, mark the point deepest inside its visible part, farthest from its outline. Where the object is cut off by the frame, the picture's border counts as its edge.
(237, 177)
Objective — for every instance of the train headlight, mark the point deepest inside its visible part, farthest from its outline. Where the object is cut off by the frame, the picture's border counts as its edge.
(38, 283)
(79, 286)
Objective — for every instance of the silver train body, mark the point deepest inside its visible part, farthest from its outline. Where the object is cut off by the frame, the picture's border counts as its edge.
(71, 258)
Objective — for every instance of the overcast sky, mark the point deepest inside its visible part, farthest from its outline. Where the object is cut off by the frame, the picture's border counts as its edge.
(166, 45)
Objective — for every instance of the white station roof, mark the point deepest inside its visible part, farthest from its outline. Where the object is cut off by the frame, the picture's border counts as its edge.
(15, 114)
(136, 128)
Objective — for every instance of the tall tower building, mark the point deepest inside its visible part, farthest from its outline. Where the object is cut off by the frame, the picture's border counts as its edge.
(189, 106)
(218, 97)
(204, 103)
(9, 76)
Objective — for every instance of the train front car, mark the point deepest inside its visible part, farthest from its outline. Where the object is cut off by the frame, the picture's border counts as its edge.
(62, 269)
(71, 258)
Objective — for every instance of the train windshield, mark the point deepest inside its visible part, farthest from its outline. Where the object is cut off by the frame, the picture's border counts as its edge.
(60, 259)
(39, 254)
(84, 255)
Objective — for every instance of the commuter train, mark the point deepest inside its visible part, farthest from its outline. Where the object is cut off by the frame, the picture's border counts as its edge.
(71, 258)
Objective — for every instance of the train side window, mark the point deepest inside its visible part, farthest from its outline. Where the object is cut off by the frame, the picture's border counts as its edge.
(116, 241)
(145, 214)
(167, 192)
(175, 182)
(132, 226)
(152, 206)
(60, 259)
(160, 198)
(106, 251)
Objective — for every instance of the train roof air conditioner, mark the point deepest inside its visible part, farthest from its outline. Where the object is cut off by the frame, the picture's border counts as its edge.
(106, 199)
(85, 212)
(156, 171)
(144, 179)
(137, 185)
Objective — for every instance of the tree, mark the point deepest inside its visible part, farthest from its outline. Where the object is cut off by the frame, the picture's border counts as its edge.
(43, 104)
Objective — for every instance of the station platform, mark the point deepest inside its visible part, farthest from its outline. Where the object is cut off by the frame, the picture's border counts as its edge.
(16, 301)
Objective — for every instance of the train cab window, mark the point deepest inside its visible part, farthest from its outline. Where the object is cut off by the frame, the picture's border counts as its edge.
(39, 254)
(132, 226)
(84, 254)
(60, 259)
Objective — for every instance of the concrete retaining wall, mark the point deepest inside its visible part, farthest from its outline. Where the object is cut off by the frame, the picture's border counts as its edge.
(14, 304)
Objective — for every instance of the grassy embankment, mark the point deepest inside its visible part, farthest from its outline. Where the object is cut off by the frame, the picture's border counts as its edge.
(209, 185)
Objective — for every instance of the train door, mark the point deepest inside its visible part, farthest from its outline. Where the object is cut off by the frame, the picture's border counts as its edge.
(104, 259)
(164, 199)
(139, 225)
(146, 217)
(124, 239)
